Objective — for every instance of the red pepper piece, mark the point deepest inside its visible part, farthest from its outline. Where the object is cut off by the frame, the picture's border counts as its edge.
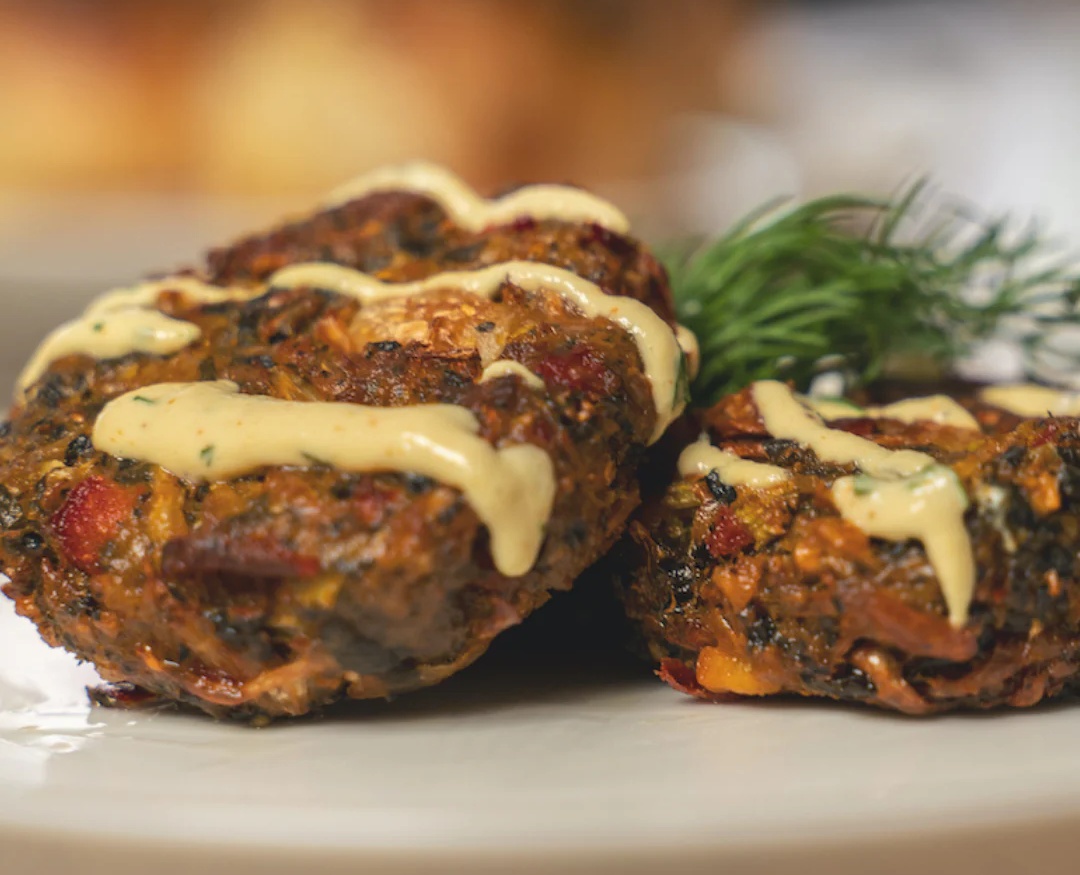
(728, 535)
(89, 519)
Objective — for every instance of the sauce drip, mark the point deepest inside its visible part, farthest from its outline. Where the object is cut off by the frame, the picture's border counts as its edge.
(939, 409)
(702, 457)
(505, 368)
(1032, 401)
(688, 342)
(111, 335)
(928, 507)
(123, 321)
(900, 494)
(661, 355)
(474, 213)
(787, 418)
(209, 431)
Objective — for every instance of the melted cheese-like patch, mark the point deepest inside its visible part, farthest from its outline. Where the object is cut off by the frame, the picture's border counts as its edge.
(701, 458)
(474, 213)
(506, 368)
(939, 409)
(209, 431)
(661, 355)
(900, 494)
(1032, 401)
(123, 321)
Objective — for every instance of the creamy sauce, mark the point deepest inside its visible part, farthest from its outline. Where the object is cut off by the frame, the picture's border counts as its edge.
(209, 431)
(900, 494)
(688, 343)
(123, 321)
(939, 409)
(110, 336)
(833, 408)
(702, 457)
(928, 507)
(145, 295)
(660, 352)
(1032, 401)
(787, 418)
(506, 368)
(474, 213)
(152, 335)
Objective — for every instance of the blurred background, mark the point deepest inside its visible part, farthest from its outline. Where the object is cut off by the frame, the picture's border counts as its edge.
(133, 133)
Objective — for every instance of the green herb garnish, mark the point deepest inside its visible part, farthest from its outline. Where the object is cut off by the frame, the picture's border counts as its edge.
(142, 399)
(98, 327)
(865, 484)
(784, 289)
(207, 455)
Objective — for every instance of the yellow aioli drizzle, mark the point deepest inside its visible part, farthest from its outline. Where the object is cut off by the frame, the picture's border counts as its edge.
(939, 409)
(505, 368)
(111, 335)
(688, 343)
(123, 321)
(1030, 400)
(787, 418)
(661, 354)
(928, 507)
(153, 334)
(475, 213)
(209, 431)
(145, 295)
(702, 457)
(901, 494)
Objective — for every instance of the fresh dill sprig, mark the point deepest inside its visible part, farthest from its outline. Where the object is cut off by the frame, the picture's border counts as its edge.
(852, 283)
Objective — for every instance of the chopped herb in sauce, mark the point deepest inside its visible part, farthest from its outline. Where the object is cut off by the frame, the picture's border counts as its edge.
(864, 484)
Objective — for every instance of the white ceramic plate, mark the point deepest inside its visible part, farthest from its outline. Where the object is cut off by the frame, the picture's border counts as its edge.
(565, 770)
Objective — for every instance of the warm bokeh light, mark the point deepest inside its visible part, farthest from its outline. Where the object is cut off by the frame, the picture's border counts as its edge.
(286, 96)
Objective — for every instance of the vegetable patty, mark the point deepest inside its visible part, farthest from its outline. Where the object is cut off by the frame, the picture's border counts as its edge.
(284, 588)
